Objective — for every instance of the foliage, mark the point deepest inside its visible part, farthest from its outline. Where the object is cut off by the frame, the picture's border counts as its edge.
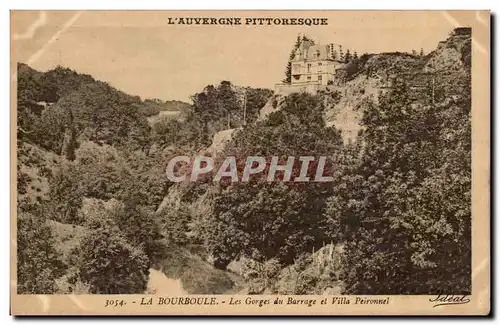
(215, 109)
(311, 273)
(38, 264)
(112, 256)
(398, 209)
(348, 56)
(176, 260)
(140, 229)
(151, 107)
(175, 224)
(103, 172)
(190, 135)
(288, 70)
(109, 264)
(401, 238)
(265, 220)
(53, 102)
(204, 280)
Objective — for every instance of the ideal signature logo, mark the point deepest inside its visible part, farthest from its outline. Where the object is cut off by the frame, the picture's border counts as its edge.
(442, 300)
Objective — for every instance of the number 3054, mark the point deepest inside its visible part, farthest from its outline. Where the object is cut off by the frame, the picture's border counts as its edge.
(114, 303)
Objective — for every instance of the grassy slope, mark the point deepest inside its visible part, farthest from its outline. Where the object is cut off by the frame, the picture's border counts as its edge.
(67, 236)
(35, 165)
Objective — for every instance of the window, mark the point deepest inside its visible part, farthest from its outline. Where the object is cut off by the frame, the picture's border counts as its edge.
(320, 64)
(308, 78)
(309, 67)
(320, 78)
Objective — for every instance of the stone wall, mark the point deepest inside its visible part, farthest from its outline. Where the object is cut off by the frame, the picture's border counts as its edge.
(287, 89)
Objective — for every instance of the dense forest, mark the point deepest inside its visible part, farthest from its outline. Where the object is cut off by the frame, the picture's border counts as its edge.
(96, 212)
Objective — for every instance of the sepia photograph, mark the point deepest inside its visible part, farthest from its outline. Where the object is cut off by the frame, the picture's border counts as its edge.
(223, 159)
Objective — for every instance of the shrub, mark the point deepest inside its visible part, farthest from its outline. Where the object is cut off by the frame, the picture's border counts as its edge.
(38, 265)
(201, 280)
(110, 265)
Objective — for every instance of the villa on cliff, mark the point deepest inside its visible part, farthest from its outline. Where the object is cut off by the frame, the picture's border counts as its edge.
(313, 68)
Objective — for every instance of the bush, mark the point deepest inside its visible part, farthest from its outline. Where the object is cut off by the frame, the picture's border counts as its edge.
(175, 224)
(306, 283)
(205, 280)
(110, 265)
(38, 265)
(256, 287)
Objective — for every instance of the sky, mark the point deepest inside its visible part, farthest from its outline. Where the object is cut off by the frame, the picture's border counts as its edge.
(139, 53)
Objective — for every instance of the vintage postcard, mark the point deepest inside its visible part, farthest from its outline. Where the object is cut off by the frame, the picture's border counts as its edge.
(250, 162)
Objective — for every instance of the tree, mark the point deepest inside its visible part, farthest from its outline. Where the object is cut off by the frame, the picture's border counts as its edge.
(288, 70)
(48, 129)
(140, 228)
(341, 54)
(103, 172)
(210, 114)
(106, 259)
(258, 221)
(347, 57)
(274, 220)
(422, 51)
(392, 206)
(109, 264)
(97, 111)
(175, 224)
(66, 193)
(38, 264)
(70, 143)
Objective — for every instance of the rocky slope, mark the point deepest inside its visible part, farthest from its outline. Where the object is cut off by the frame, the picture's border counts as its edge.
(364, 79)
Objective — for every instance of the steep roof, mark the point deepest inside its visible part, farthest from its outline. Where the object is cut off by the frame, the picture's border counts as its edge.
(312, 52)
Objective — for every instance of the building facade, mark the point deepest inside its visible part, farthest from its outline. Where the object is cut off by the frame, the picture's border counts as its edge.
(313, 67)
